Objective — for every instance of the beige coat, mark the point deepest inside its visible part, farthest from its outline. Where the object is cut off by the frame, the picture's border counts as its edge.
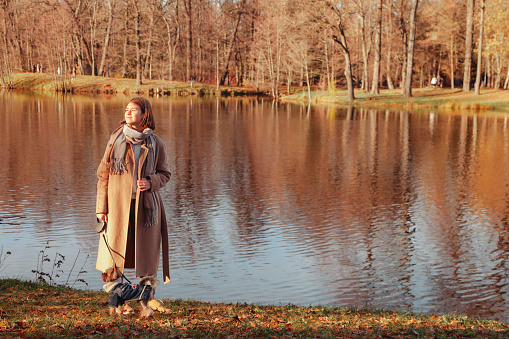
(114, 198)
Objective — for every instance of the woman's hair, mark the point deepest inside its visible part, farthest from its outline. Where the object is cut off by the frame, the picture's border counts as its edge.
(144, 105)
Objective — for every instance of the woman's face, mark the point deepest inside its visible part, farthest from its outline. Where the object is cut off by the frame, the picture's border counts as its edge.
(133, 116)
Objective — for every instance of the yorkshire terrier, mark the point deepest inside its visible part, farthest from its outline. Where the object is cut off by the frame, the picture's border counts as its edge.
(120, 292)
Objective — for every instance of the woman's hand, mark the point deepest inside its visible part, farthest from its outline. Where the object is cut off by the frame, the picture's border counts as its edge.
(143, 184)
(102, 217)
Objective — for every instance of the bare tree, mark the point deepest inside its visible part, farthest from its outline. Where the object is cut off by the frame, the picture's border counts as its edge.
(336, 18)
(468, 46)
(362, 14)
(188, 7)
(151, 5)
(137, 40)
(238, 13)
(404, 39)
(78, 16)
(107, 37)
(299, 51)
(407, 90)
(389, 44)
(479, 52)
(253, 41)
(378, 51)
(170, 15)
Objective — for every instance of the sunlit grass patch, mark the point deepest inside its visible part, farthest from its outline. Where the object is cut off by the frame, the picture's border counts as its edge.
(446, 99)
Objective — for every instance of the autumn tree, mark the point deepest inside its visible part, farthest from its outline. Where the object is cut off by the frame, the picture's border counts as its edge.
(107, 37)
(479, 52)
(260, 43)
(407, 89)
(378, 50)
(171, 18)
(337, 16)
(468, 45)
(300, 41)
(496, 52)
(362, 9)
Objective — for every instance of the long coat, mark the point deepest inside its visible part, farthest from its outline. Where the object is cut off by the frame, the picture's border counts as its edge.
(114, 194)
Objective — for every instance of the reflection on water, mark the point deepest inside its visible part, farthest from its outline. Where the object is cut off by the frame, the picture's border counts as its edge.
(275, 203)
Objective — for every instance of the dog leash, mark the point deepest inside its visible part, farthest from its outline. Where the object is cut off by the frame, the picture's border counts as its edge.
(103, 231)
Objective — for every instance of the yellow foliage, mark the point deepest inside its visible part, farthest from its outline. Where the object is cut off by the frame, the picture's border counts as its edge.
(496, 28)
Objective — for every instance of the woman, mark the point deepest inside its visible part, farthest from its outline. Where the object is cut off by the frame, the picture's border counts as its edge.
(132, 171)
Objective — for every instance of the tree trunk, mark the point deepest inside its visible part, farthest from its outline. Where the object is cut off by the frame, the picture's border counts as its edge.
(404, 63)
(389, 48)
(489, 72)
(404, 39)
(365, 54)
(348, 75)
(468, 46)
(199, 46)
(148, 56)
(107, 38)
(407, 90)
(188, 5)
(217, 65)
(378, 51)
(451, 53)
(278, 61)
(479, 52)
(172, 42)
(93, 28)
(327, 61)
(126, 35)
(232, 43)
(307, 80)
(137, 42)
(339, 27)
(289, 79)
(270, 67)
(506, 83)
(498, 69)
(341, 40)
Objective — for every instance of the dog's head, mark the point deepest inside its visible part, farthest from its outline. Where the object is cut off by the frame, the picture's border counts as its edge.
(111, 274)
(150, 280)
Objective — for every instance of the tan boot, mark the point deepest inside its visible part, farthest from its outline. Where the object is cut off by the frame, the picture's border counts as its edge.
(158, 306)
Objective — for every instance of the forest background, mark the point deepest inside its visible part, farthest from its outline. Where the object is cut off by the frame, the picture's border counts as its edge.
(274, 44)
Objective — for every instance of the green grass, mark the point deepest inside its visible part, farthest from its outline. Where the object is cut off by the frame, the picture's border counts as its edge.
(36, 310)
(423, 98)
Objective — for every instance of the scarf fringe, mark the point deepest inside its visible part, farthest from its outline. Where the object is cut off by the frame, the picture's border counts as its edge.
(150, 217)
(117, 166)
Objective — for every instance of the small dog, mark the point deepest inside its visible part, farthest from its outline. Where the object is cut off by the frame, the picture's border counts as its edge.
(121, 292)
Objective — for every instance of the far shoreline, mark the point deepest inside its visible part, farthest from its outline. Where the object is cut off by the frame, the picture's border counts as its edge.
(428, 98)
(87, 84)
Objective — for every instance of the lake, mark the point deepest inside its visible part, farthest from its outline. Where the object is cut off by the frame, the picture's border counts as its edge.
(274, 203)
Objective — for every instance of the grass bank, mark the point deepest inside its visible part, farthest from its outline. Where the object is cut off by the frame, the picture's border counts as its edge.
(37, 310)
(95, 84)
(423, 98)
